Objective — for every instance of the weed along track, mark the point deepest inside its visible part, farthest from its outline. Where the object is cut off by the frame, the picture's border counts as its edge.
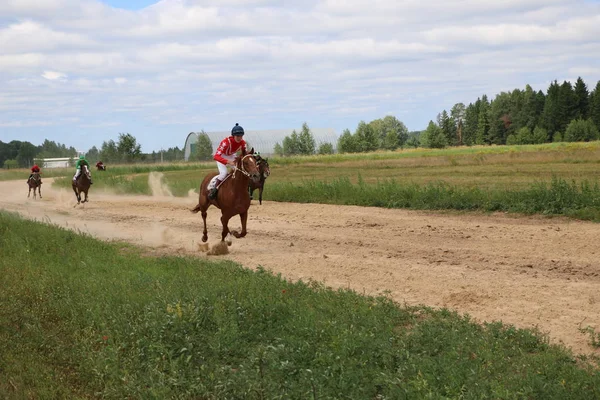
(528, 271)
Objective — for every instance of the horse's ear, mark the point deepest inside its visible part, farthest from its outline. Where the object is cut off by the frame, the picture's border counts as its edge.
(252, 150)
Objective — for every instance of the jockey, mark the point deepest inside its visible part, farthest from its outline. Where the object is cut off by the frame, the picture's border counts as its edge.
(82, 161)
(34, 169)
(99, 164)
(225, 156)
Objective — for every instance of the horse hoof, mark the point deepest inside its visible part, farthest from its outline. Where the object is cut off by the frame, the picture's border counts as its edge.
(204, 238)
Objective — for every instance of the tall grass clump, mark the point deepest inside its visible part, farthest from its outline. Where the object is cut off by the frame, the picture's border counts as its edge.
(81, 318)
(557, 197)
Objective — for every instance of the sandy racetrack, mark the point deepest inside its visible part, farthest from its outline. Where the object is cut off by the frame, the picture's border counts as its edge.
(527, 271)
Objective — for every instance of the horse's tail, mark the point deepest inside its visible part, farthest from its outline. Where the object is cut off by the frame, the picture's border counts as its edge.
(196, 209)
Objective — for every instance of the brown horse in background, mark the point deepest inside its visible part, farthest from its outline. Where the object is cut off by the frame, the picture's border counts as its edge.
(232, 195)
(82, 184)
(35, 182)
(265, 171)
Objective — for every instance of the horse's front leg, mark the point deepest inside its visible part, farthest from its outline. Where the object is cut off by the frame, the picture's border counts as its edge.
(40, 191)
(225, 232)
(76, 195)
(86, 196)
(29, 194)
(260, 190)
(205, 231)
(244, 219)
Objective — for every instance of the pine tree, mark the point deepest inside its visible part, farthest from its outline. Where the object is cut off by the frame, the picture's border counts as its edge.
(483, 124)
(470, 125)
(551, 114)
(595, 106)
(582, 97)
(306, 141)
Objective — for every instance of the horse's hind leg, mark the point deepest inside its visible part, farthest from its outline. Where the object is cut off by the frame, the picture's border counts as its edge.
(29, 194)
(40, 191)
(244, 219)
(260, 195)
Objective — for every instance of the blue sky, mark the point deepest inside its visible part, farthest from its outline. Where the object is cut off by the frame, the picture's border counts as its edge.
(80, 72)
(129, 4)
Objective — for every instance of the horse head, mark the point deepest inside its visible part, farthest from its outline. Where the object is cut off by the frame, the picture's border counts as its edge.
(86, 171)
(247, 164)
(263, 166)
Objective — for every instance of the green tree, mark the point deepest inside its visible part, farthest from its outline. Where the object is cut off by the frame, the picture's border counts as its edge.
(580, 130)
(458, 114)
(325, 148)
(483, 124)
(366, 137)
(433, 137)
(93, 155)
(414, 139)
(540, 135)
(27, 152)
(391, 141)
(551, 114)
(595, 105)
(347, 142)
(470, 125)
(203, 150)
(291, 144)
(128, 148)
(582, 97)
(448, 127)
(108, 151)
(277, 149)
(306, 141)
(567, 106)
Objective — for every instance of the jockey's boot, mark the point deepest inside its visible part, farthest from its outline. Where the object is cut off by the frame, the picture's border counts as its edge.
(212, 194)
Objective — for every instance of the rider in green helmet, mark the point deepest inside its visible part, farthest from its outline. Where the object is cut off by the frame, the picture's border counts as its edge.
(81, 162)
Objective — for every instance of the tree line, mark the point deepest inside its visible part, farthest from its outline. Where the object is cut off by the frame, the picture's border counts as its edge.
(19, 154)
(564, 113)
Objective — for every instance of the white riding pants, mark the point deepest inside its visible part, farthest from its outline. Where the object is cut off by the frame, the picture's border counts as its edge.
(223, 169)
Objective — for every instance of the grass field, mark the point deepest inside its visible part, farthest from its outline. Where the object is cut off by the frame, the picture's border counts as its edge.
(81, 318)
(551, 179)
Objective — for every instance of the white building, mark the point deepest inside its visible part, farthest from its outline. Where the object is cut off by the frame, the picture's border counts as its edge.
(63, 162)
(262, 141)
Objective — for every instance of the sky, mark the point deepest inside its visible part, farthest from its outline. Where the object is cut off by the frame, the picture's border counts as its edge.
(80, 72)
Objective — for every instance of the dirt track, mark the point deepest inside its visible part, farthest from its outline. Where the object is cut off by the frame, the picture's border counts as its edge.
(527, 271)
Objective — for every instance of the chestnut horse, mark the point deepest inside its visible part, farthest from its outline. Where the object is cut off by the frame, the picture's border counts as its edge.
(265, 171)
(82, 184)
(232, 197)
(35, 182)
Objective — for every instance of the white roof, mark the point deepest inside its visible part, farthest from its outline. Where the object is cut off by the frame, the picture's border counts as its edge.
(264, 141)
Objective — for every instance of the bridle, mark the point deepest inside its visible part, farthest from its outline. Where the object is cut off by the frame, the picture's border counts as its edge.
(242, 170)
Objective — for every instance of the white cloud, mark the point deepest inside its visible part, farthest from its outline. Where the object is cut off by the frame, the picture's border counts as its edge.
(53, 75)
(202, 63)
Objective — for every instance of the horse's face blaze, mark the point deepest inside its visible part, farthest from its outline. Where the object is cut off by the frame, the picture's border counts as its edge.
(252, 168)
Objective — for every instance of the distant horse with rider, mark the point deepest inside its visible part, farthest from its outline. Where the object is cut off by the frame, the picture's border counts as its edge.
(35, 183)
(81, 184)
(265, 171)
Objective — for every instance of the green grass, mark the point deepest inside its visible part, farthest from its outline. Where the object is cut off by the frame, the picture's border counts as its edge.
(558, 197)
(81, 318)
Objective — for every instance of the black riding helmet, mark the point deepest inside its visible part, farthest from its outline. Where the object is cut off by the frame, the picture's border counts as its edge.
(237, 130)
